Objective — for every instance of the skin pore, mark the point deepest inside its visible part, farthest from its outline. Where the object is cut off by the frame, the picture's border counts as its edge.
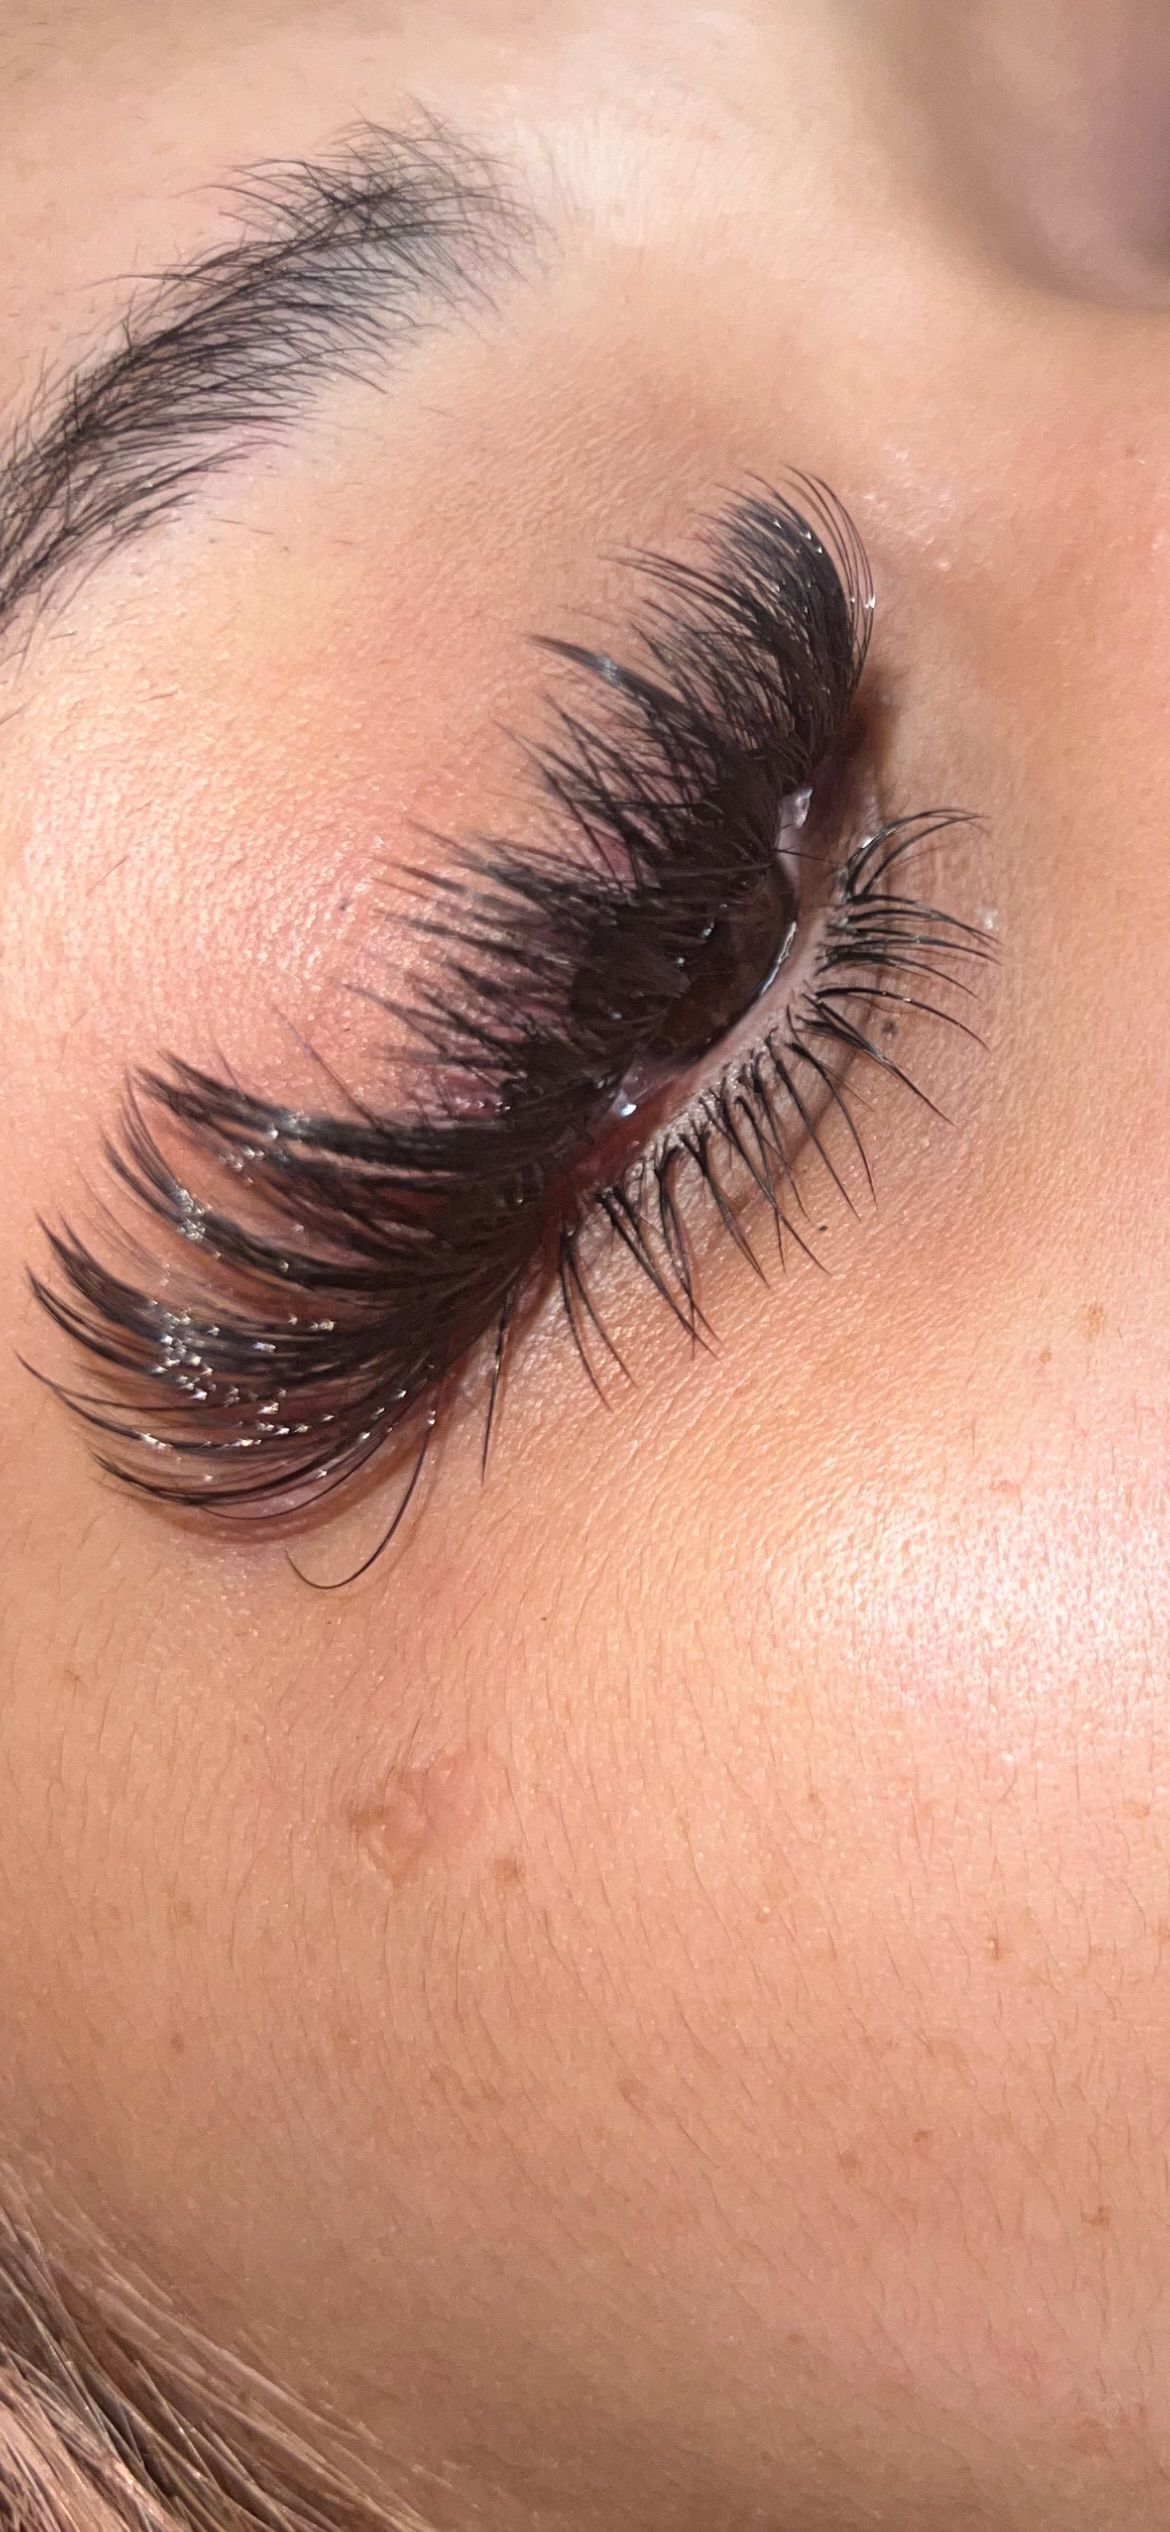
(648, 2009)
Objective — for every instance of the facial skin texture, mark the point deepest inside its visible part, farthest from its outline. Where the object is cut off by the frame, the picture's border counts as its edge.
(653, 2004)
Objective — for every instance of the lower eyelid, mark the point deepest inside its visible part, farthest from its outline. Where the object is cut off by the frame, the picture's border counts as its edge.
(780, 1095)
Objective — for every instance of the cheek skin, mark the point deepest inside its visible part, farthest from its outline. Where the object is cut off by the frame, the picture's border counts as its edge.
(825, 1805)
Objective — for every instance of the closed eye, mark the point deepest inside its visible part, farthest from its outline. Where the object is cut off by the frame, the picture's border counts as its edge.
(664, 1000)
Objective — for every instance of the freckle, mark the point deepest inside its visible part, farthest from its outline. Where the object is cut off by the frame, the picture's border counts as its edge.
(850, 2163)
(177, 2044)
(72, 1679)
(1094, 1321)
(633, 2090)
(1099, 2219)
(426, 1813)
(1090, 2439)
(508, 1869)
(1132, 1809)
(922, 2137)
(182, 1912)
(1045, 1356)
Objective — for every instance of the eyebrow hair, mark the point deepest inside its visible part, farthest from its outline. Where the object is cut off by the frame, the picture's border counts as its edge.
(338, 264)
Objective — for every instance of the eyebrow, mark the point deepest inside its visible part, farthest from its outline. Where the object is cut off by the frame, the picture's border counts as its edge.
(337, 264)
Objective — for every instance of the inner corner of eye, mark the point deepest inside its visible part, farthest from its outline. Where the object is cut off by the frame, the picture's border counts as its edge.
(718, 978)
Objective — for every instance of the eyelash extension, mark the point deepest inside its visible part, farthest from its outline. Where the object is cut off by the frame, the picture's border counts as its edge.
(326, 1274)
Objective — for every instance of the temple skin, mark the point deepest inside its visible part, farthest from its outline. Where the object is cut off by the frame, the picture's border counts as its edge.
(650, 2007)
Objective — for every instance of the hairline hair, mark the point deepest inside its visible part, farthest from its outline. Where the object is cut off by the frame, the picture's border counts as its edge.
(117, 2415)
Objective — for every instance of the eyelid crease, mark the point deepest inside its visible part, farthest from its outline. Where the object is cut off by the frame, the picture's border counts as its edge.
(292, 1331)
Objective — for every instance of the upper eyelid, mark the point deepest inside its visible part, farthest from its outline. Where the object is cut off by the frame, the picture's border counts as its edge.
(337, 265)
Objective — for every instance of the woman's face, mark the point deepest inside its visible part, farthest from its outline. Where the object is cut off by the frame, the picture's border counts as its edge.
(652, 2000)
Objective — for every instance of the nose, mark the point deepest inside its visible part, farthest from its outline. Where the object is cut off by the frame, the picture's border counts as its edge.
(1048, 124)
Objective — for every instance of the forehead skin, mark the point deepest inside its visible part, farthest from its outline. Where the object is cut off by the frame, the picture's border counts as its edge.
(652, 2004)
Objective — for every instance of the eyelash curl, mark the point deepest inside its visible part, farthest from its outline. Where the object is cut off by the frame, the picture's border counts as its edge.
(329, 1274)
